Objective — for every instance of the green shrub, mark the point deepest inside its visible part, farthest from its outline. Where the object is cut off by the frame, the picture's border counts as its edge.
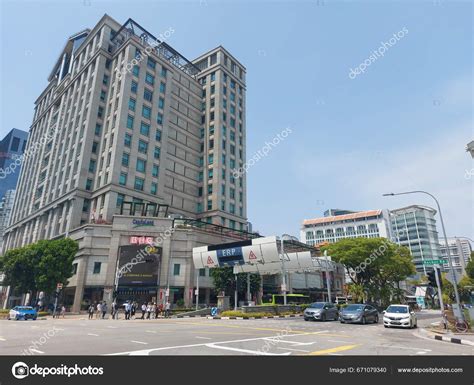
(43, 313)
(234, 313)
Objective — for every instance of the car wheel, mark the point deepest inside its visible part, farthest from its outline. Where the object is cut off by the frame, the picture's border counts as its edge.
(376, 319)
(364, 321)
(415, 325)
(306, 319)
(342, 322)
(34, 318)
(17, 317)
(323, 317)
(336, 317)
(385, 326)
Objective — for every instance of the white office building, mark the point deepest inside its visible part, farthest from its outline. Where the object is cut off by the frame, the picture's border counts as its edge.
(460, 250)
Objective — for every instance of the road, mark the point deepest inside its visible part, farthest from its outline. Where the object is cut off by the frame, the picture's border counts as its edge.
(202, 336)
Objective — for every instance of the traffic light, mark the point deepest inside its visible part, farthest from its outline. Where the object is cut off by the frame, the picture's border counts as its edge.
(432, 278)
(438, 271)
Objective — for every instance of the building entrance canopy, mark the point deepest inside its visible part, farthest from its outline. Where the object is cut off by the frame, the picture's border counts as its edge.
(263, 256)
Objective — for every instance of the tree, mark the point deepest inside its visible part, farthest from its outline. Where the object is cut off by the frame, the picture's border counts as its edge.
(224, 281)
(470, 267)
(375, 265)
(39, 266)
(464, 290)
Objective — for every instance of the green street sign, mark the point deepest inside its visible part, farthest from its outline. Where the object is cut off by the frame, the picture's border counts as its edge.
(433, 262)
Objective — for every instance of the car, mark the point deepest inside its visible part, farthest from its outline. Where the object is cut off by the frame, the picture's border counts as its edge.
(359, 313)
(322, 311)
(400, 316)
(23, 312)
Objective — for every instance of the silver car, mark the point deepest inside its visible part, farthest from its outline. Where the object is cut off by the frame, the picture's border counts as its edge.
(322, 311)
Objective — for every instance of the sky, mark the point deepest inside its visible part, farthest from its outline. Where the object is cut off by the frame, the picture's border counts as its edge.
(401, 125)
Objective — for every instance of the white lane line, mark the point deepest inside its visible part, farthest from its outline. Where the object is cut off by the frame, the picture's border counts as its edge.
(2, 339)
(92, 334)
(337, 341)
(36, 351)
(140, 342)
(296, 350)
(256, 352)
(335, 354)
(402, 347)
(294, 343)
(204, 338)
(112, 327)
(150, 331)
(421, 352)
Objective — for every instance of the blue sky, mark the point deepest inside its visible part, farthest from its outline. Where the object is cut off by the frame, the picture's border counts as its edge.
(401, 125)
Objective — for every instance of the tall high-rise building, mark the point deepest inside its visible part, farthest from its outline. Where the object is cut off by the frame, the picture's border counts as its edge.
(6, 205)
(460, 250)
(127, 117)
(126, 126)
(415, 227)
(12, 147)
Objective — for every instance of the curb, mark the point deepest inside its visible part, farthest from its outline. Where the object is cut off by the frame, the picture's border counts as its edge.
(453, 340)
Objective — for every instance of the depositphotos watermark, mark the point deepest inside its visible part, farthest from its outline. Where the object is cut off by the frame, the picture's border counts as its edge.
(33, 348)
(148, 50)
(380, 52)
(262, 153)
(21, 370)
(32, 149)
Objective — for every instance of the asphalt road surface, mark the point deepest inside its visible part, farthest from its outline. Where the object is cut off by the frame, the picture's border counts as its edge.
(201, 336)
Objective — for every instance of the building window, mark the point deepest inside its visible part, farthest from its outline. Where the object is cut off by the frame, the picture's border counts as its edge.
(199, 207)
(97, 266)
(130, 122)
(162, 87)
(74, 268)
(128, 140)
(149, 79)
(105, 79)
(211, 130)
(134, 87)
(159, 118)
(145, 129)
(142, 147)
(156, 153)
(120, 199)
(154, 188)
(211, 144)
(131, 104)
(92, 165)
(123, 178)
(151, 63)
(139, 183)
(209, 189)
(223, 205)
(210, 173)
(102, 95)
(100, 112)
(147, 95)
(94, 147)
(155, 170)
(146, 112)
(164, 71)
(213, 89)
(232, 208)
(161, 103)
(211, 158)
(136, 70)
(125, 159)
(141, 165)
(209, 204)
(89, 184)
(176, 269)
(98, 129)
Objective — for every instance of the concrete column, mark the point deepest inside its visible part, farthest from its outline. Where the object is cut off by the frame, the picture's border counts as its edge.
(190, 271)
(80, 282)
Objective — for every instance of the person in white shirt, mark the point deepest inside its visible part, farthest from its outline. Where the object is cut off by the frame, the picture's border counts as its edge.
(99, 310)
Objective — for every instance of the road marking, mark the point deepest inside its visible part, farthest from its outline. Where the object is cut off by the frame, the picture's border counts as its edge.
(337, 341)
(296, 350)
(294, 343)
(92, 334)
(204, 338)
(402, 347)
(112, 327)
(424, 352)
(2, 339)
(36, 351)
(148, 351)
(256, 352)
(140, 342)
(332, 350)
(150, 331)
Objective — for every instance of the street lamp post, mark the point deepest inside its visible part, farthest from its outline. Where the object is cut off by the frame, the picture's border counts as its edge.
(448, 252)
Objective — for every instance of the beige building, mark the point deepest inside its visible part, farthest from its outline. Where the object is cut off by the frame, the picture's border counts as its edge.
(127, 118)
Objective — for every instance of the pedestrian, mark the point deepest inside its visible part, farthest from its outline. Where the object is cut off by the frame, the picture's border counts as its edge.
(148, 310)
(167, 308)
(99, 310)
(133, 309)
(90, 310)
(127, 310)
(104, 309)
(63, 310)
(153, 310)
(160, 310)
(114, 311)
(143, 310)
(157, 311)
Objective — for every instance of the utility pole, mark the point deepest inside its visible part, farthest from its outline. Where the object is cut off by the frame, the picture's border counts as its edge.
(440, 295)
(328, 281)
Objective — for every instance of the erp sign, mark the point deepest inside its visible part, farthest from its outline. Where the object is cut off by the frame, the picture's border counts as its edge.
(230, 257)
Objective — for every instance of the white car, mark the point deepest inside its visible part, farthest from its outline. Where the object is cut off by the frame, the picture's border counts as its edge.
(400, 316)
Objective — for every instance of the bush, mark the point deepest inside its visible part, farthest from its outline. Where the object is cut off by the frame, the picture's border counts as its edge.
(234, 313)
(43, 313)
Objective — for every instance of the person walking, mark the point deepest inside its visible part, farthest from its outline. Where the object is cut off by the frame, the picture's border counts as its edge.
(104, 309)
(99, 310)
(114, 311)
(91, 310)
(143, 310)
(148, 310)
(160, 310)
(127, 310)
(133, 309)
(63, 311)
(167, 308)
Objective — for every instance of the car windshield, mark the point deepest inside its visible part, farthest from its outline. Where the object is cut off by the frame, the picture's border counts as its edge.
(354, 307)
(397, 309)
(317, 305)
(25, 308)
